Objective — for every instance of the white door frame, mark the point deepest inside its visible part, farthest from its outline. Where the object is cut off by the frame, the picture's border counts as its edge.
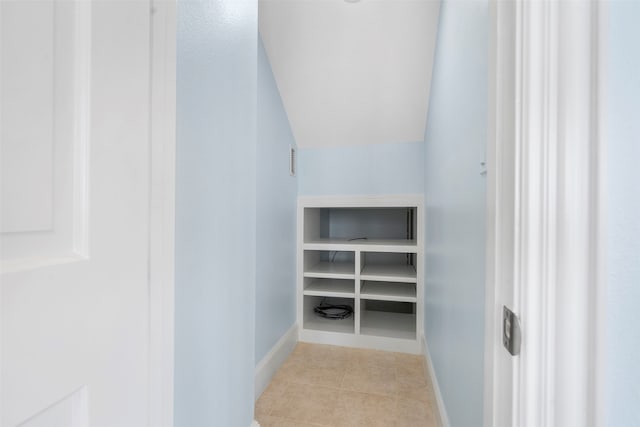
(500, 215)
(546, 229)
(162, 212)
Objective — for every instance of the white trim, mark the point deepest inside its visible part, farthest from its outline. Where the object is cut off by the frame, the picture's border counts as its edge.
(499, 386)
(80, 408)
(547, 108)
(558, 276)
(82, 129)
(273, 360)
(162, 211)
(443, 419)
(2, 395)
(491, 225)
(600, 227)
(254, 423)
(370, 342)
(372, 201)
(535, 272)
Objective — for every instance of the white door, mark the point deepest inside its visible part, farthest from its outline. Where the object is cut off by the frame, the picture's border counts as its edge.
(74, 215)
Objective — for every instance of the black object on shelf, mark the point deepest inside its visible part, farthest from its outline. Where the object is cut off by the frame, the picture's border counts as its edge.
(333, 311)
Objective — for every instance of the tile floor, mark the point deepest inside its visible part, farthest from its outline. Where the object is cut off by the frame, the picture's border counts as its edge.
(322, 385)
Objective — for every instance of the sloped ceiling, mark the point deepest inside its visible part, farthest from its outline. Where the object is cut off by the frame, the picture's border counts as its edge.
(352, 72)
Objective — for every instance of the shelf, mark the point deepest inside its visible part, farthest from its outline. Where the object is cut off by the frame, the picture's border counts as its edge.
(344, 326)
(389, 273)
(331, 288)
(332, 270)
(381, 276)
(389, 291)
(315, 322)
(369, 245)
(386, 324)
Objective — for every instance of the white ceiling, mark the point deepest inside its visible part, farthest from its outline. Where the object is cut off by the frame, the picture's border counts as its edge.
(352, 73)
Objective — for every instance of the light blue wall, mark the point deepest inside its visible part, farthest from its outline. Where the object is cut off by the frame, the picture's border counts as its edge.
(276, 216)
(623, 350)
(395, 168)
(455, 209)
(215, 212)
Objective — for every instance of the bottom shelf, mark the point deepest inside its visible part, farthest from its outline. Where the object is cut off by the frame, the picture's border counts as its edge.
(319, 324)
(378, 319)
(388, 324)
(313, 321)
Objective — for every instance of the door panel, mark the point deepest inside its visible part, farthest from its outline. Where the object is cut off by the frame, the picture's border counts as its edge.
(45, 85)
(27, 105)
(75, 212)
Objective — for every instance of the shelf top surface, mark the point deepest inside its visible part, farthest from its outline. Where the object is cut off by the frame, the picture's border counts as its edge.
(393, 325)
(363, 242)
(362, 201)
(340, 269)
(311, 321)
(390, 271)
(388, 290)
(331, 287)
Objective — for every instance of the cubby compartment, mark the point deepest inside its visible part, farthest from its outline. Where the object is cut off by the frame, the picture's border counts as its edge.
(362, 225)
(329, 264)
(313, 321)
(388, 266)
(388, 291)
(391, 319)
(329, 287)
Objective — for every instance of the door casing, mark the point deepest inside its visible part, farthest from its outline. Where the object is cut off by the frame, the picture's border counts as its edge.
(546, 212)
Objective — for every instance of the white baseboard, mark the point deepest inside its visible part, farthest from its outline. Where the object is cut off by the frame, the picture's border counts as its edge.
(271, 362)
(442, 412)
(255, 424)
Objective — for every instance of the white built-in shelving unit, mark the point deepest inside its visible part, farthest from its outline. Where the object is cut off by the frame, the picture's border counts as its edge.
(365, 252)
